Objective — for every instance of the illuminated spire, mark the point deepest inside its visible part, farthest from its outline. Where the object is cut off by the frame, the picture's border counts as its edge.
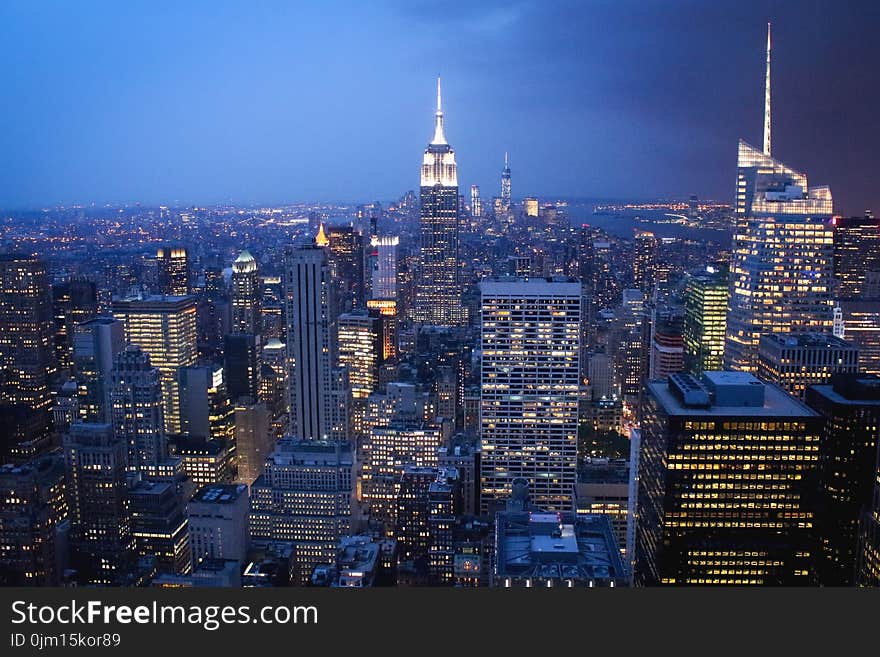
(321, 238)
(767, 99)
(439, 137)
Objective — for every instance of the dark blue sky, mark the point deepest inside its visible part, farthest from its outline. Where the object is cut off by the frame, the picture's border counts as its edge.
(165, 102)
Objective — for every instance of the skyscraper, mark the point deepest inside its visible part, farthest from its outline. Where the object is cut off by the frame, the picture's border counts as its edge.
(476, 202)
(645, 253)
(26, 357)
(95, 345)
(782, 262)
(384, 273)
(361, 350)
(530, 381)
(722, 497)
(173, 266)
(505, 185)
(346, 260)
(848, 469)
(856, 255)
(100, 531)
(796, 361)
(246, 295)
(165, 328)
(310, 338)
(438, 294)
(705, 320)
(136, 409)
(304, 497)
(32, 503)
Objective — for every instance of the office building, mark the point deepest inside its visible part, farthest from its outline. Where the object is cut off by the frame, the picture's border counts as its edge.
(476, 202)
(645, 255)
(253, 442)
(850, 405)
(100, 529)
(165, 328)
(95, 345)
(345, 247)
(667, 343)
(386, 451)
(32, 505)
(856, 256)
(241, 365)
(218, 522)
(204, 461)
(73, 301)
(173, 271)
(438, 294)
(246, 295)
(722, 494)
(705, 321)
(26, 356)
(311, 338)
(384, 273)
(529, 388)
(206, 412)
(361, 352)
(159, 526)
(795, 361)
(136, 409)
(304, 498)
(781, 273)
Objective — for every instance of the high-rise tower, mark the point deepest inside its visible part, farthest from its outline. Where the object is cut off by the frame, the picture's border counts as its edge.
(505, 184)
(246, 295)
(438, 295)
(782, 263)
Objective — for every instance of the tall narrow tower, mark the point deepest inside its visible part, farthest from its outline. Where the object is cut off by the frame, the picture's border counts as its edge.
(767, 143)
(438, 295)
(505, 184)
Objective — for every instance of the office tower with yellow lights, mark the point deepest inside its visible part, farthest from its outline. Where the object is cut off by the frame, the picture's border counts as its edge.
(781, 273)
(247, 294)
(849, 480)
(26, 357)
(304, 497)
(796, 361)
(100, 516)
(165, 328)
(438, 293)
(34, 503)
(387, 449)
(723, 494)
(529, 389)
(705, 321)
(173, 270)
(360, 338)
(530, 205)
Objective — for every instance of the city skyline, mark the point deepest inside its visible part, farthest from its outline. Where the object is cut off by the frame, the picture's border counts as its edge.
(228, 125)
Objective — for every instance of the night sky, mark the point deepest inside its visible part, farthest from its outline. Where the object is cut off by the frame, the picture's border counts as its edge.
(273, 102)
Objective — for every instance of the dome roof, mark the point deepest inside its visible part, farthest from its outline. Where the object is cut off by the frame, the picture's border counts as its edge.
(244, 262)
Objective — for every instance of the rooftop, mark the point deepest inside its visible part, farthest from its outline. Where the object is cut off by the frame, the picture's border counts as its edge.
(724, 393)
(547, 546)
(220, 493)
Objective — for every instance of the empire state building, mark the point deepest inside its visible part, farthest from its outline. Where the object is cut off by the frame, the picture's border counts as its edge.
(438, 294)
